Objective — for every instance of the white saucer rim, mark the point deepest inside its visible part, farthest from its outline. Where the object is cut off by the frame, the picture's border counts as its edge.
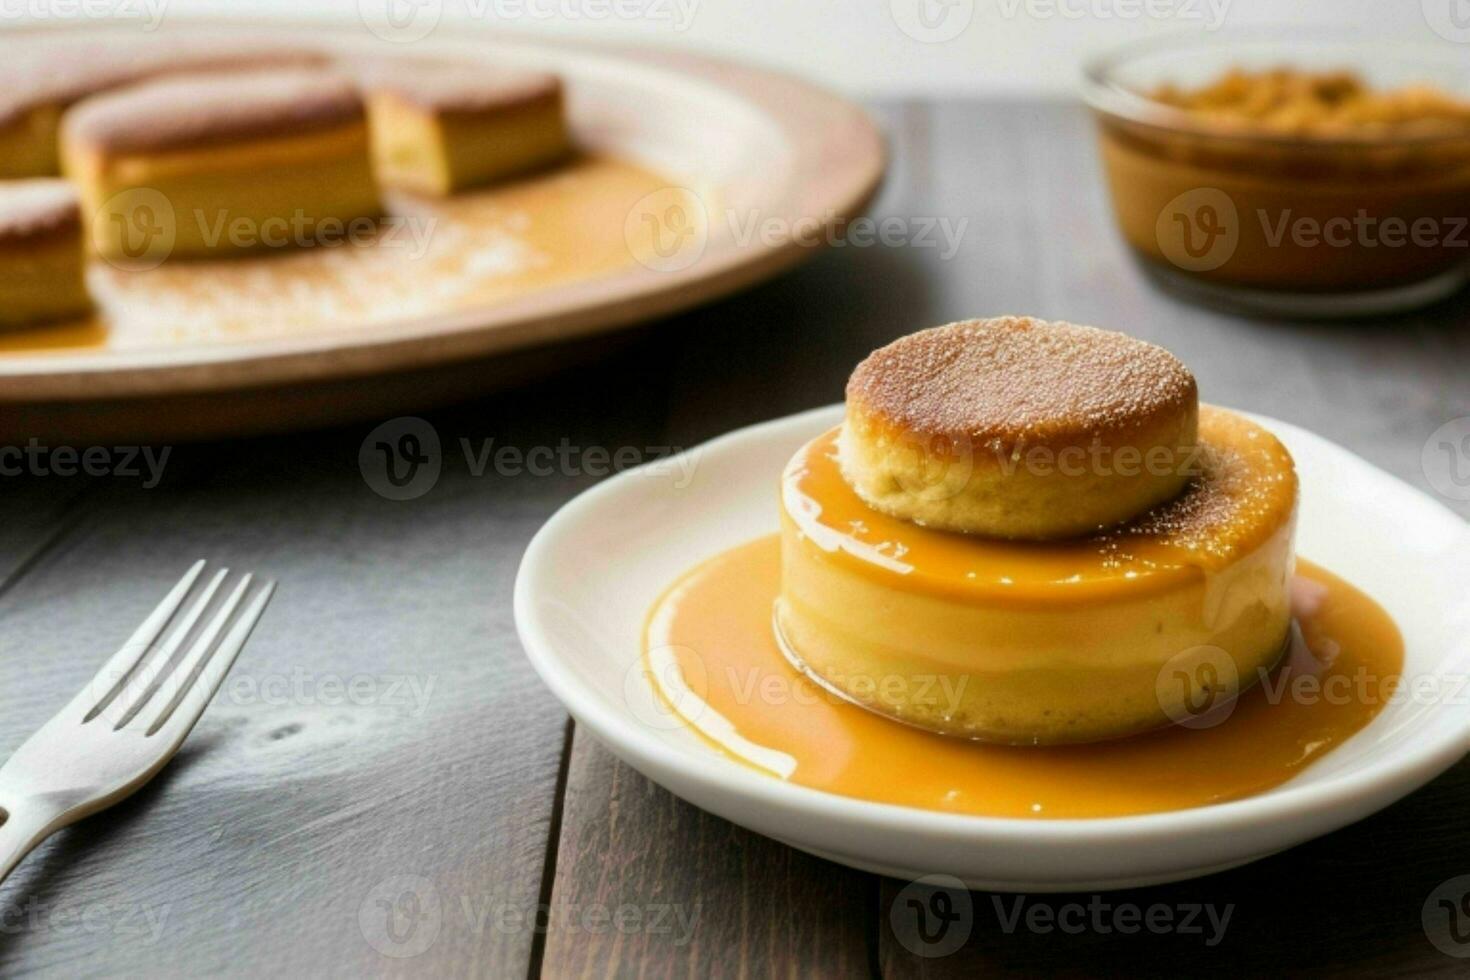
(1412, 767)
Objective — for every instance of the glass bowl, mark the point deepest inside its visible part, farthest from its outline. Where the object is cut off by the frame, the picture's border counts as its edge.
(1358, 220)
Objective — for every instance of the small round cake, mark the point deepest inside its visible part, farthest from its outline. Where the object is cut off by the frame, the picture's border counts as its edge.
(1018, 428)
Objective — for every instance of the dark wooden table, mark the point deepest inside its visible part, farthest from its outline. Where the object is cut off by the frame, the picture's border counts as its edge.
(383, 740)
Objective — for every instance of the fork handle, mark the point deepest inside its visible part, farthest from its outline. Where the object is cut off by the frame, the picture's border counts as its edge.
(20, 833)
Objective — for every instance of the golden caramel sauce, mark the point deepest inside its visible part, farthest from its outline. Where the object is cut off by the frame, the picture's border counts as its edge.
(711, 633)
(431, 257)
(1214, 522)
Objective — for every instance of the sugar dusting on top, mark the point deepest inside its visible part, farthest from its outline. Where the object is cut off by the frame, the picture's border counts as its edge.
(217, 107)
(36, 207)
(1244, 481)
(449, 86)
(1010, 380)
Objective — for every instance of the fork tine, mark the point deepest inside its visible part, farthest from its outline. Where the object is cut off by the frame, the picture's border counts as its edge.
(181, 677)
(119, 667)
(208, 663)
(136, 690)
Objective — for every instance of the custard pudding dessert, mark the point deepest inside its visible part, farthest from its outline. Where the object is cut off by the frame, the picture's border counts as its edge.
(1039, 520)
(220, 163)
(439, 128)
(41, 261)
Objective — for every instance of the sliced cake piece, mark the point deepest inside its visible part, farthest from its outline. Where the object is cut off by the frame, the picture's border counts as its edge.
(28, 140)
(441, 127)
(214, 164)
(41, 262)
(38, 82)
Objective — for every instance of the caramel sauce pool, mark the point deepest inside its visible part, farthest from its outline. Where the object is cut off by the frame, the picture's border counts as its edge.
(713, 627)
(429, 257)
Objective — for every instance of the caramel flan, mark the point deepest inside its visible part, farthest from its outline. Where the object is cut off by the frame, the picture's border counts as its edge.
(1121, 629)
(220, 163)
(439, 128)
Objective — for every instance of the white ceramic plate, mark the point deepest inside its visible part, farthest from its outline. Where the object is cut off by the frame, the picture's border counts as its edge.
(593, 571)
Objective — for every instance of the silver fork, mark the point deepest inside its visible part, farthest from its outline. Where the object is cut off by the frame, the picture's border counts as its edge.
(133, 716)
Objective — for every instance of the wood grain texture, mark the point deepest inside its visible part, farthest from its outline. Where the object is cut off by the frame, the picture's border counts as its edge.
(283, 821)
(381, 736)
(649, 886)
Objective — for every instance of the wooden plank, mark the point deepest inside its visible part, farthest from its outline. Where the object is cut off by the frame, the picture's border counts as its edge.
(697, 896)
(381, 738)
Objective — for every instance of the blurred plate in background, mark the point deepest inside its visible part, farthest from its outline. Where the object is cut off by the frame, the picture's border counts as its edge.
(697, 178)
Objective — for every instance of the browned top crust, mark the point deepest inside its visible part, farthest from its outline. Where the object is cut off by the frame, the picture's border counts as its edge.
(457, 87)
(31, 209)
(62, 72)
(1011, 381)
(183, 111)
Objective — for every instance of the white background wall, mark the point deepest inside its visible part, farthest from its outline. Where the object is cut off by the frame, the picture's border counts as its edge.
(965, 46)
